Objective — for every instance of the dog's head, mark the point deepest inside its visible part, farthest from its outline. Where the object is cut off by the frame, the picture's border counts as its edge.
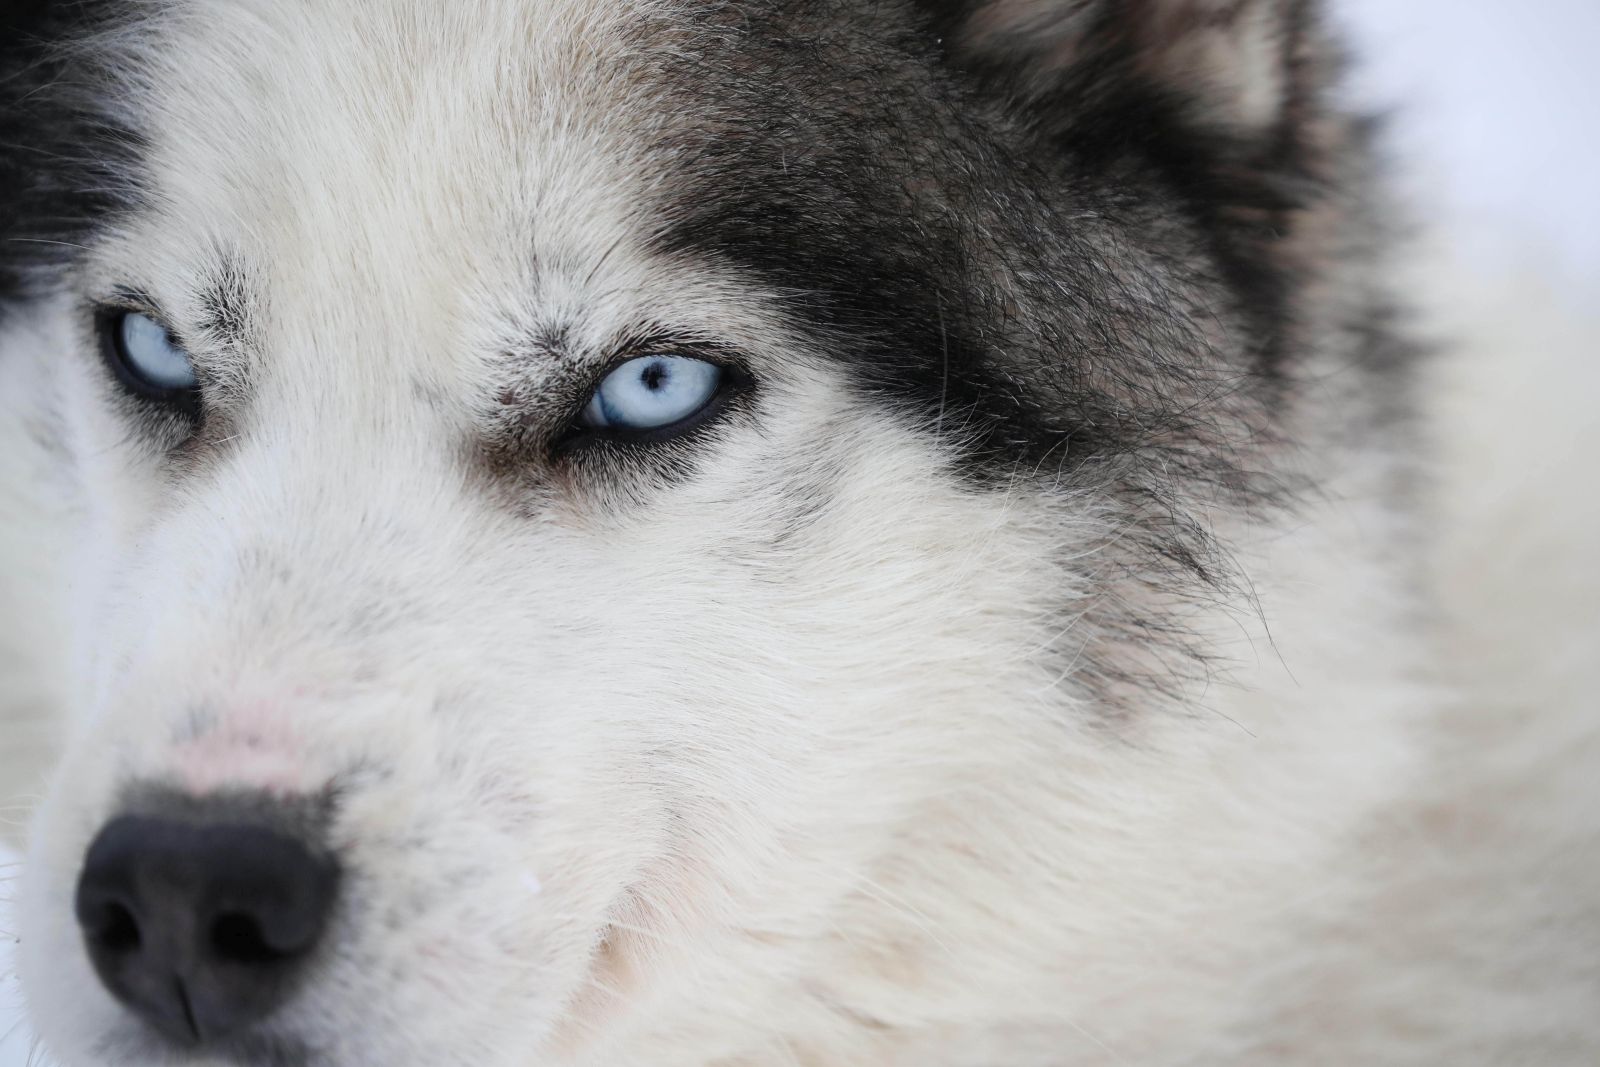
(623, 532)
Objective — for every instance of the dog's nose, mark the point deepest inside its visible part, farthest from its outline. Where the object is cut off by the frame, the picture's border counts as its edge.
(202, 929)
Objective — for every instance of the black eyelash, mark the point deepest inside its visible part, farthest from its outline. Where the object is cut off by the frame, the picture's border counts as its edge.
(108, 322)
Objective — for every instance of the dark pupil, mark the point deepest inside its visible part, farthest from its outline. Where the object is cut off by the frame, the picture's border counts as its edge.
(654, 375)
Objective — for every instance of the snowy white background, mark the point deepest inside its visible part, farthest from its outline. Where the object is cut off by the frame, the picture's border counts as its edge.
(1501, 122)
(1499, 136)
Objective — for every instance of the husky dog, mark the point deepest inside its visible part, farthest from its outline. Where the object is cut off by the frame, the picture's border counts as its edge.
(678, 533)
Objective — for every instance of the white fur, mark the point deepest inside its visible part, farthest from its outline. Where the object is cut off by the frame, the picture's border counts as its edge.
(815, 793)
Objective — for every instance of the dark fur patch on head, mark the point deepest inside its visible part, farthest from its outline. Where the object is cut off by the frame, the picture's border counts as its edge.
(66, 165)
(1039, 305)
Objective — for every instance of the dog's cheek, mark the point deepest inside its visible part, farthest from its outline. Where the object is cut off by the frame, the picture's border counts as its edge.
(819, 661)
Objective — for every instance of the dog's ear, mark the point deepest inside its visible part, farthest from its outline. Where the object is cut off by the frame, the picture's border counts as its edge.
(1225, 102)
(1241, 68)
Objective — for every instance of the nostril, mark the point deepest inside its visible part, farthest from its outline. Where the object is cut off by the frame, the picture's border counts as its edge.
(239, 938)
(114, 928)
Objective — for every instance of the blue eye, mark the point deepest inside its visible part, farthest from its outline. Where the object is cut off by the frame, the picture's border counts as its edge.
(149, 360)
(651, 392)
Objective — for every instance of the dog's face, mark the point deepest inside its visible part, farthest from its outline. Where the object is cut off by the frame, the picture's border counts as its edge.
(603, 481)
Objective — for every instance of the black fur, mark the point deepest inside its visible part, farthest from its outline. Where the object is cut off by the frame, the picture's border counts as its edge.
(65, 165)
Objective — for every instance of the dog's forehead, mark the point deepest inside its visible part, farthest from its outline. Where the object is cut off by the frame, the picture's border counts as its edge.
(406, 138)
(785, 179)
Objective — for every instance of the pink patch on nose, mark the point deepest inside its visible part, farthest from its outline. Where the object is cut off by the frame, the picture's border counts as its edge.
(253, 747)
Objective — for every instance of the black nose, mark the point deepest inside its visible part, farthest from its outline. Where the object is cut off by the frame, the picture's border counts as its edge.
(202, 929)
